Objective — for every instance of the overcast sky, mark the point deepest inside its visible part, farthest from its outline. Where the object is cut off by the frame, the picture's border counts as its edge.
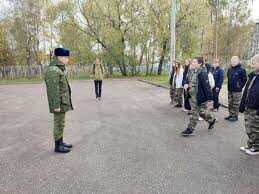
(255, 9)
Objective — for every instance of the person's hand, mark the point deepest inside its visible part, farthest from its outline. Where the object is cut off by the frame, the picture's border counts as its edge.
(57, 110)
(210, 105)
(186, 86)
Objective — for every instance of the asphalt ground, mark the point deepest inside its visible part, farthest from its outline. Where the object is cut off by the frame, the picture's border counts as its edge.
(128, 143)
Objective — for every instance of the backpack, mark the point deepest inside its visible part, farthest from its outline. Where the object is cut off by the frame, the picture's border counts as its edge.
(211, 80)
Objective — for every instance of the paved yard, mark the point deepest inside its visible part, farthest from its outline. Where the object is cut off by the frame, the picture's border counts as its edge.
(129, 143)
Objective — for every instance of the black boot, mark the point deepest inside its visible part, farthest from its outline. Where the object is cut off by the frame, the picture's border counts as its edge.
(66, 145)
(59, 148)
(187, 132)
(211, 125)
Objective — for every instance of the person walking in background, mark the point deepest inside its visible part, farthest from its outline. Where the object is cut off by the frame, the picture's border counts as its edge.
(218, 74)
(236, 81)
(98, 72)
(187, 105)
(59, 96)
(201, 96)
(250, 106)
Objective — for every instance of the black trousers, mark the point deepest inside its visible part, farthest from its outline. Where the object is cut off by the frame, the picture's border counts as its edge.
(187, 104)
(216, 98)
(98, 88)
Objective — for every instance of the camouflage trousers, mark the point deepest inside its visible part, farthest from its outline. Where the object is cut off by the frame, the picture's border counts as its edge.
(176, 95)
(234, 99)
(59, 125)
(199, 111)
(252, 128)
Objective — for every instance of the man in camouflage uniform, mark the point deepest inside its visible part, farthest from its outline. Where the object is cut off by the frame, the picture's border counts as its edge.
(201, 96)
(236, 81)
(250, 107)
(59, 96)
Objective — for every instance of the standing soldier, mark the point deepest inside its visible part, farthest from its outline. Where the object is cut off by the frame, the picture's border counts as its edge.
(98, 72)
(250, 105)
(218, 74)
(59, 96)
(201, 96)
(236, 81)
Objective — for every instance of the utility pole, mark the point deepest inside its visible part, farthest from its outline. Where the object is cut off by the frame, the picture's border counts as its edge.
(173, 33)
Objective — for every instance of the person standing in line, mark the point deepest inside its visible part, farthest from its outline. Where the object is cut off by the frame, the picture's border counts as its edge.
(201, 97)
(187, 105)
(250, 106)
(218, 74)
(98, 72)
(178, 77)
(59, 96)
(236, 81)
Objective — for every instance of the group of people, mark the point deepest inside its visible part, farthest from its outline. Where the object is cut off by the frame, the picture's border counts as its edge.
(196, 87)
(198, 82)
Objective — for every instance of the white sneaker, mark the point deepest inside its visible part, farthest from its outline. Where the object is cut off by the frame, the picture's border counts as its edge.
(201, 119)
(252, 152)
(244, 148)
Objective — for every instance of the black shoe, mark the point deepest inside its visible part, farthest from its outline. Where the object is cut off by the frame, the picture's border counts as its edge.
(227, 118)
(178, 106)
(211, 125)
(233, 119)
(65, 144)
(59, 148)
(187, 132)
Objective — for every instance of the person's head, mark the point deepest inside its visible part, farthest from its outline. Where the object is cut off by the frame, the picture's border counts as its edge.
(255, 62)
(63, 55)
(216, 62)
(187, 62)
(235, 61)
(197, 62)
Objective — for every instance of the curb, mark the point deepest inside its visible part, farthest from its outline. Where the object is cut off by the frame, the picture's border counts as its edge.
(166, 87)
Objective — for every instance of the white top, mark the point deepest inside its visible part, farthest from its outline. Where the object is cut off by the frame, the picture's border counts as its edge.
(178, 78)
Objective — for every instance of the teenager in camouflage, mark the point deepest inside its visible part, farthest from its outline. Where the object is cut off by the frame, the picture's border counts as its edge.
(236, 81)
(200, 91)
(250, 107)
(59, 96)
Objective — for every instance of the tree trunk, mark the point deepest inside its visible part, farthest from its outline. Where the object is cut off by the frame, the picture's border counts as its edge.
(162, 58)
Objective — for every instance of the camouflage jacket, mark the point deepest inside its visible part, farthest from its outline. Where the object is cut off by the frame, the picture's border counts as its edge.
(58, 89)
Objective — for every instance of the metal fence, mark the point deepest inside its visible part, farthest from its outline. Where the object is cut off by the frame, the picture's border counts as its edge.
(34, 72)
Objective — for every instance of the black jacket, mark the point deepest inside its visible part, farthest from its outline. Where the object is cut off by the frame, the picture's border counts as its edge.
(218, 75)
(204, 90)
(236, 78)
(185, 74)
(250, 98)
(171, 77)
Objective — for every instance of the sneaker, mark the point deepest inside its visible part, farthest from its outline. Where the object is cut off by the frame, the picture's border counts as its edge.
(244, 148)
(211, 125)
(252, 151)
(233, 119)
(201, 119)
(187, 132)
